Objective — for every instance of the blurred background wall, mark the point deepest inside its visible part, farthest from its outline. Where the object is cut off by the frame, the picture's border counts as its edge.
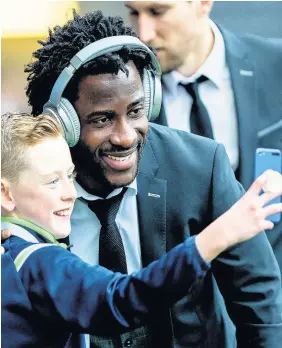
(25, 22)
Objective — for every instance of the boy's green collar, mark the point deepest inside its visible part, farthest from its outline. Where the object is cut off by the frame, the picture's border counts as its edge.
(29, 224)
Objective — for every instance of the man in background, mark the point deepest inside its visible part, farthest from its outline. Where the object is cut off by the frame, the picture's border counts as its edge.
(215, 83)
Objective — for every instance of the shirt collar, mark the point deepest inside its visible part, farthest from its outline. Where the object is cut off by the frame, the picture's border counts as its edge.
(215, 59)
(81, 193)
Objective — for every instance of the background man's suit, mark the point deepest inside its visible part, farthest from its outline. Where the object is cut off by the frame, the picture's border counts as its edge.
(255, 66)
(184, 183)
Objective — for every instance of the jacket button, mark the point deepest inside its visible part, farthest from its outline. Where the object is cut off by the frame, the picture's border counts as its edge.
(128, 342)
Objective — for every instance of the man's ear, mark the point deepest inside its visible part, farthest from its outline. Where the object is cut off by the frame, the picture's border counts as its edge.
(7, 201)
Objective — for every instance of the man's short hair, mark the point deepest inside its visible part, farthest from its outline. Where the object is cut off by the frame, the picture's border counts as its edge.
(19, 131)
(64, 42)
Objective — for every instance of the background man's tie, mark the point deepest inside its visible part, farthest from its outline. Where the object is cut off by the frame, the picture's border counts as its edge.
(199, 118)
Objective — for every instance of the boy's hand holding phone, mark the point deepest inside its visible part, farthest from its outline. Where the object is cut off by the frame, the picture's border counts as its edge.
(245, 219)
(273, 183)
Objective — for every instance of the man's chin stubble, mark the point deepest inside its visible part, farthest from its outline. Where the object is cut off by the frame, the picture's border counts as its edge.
(93, 177)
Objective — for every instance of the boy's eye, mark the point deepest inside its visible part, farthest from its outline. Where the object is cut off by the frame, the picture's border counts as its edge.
(53, 182)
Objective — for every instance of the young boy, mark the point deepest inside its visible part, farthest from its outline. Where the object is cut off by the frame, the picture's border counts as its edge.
(50, 296)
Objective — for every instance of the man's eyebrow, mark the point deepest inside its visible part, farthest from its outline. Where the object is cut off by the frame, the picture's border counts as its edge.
(136, 102)
(151, 6)
(107, 112)
(129, 7)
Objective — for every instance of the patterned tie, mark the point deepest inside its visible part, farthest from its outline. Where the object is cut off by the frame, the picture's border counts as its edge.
(111, 250)
(112, 256)
(199, 118)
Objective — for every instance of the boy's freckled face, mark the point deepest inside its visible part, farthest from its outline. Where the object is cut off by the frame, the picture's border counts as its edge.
(45, 192)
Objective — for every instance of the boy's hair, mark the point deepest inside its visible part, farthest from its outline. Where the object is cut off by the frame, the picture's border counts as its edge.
(64, 42)
(18, 132)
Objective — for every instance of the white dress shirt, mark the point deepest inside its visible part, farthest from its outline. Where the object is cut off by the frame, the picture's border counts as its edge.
(85, 227)
(216, 94)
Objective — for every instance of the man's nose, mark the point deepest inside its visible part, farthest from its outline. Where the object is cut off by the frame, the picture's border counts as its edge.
(124, 134)
(146, 28)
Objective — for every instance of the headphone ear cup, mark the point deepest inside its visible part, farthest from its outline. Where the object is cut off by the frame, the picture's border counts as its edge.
(147, 92)
(67, 117)
(70, 120)
(153, 94)
(156, 98)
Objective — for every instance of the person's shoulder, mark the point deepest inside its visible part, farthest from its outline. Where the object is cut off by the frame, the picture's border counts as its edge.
(15, 245)
(170, 154)
(251, 42)
(165, 132)
(20, 249)
(173, 137)
(270, 44)
(178, 149)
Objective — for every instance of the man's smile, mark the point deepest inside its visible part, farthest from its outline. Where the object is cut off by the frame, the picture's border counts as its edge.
(121, 161)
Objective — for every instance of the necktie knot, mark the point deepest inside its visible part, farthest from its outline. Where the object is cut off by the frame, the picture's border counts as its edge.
(199, 118)
(192, 87)
(107, 209)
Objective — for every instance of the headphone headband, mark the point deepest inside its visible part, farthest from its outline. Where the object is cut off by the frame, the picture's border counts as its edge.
(63, 110)
(94, 50)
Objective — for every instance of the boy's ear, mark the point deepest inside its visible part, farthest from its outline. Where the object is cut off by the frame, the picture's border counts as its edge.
(7, 201)
(204, 7)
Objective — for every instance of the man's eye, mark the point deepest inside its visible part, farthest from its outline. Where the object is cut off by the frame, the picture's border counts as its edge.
(99, 121)
(157, 12)
(136, 112)
(133, 13)
(103, 120)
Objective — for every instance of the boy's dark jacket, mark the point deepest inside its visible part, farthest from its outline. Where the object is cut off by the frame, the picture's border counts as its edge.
(54, 296)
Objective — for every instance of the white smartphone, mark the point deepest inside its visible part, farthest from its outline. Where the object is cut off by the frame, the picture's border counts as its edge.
(269, 159)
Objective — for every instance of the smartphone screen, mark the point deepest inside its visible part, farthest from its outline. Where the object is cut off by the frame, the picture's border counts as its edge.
(269, 159)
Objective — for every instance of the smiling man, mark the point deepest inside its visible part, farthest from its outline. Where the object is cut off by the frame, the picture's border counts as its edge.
(114, 127)
(173, 183)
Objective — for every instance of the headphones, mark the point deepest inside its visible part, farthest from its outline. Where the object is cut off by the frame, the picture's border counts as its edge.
(62, 109)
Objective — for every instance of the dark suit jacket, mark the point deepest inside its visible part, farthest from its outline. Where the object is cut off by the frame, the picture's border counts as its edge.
(255, 66)
(185, 182)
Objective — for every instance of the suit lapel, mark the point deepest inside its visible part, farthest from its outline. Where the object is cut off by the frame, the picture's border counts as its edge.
(151, 201)
(243, 81)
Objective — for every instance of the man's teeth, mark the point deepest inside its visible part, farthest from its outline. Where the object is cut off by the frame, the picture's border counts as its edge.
(62, 212)
(119, 159)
